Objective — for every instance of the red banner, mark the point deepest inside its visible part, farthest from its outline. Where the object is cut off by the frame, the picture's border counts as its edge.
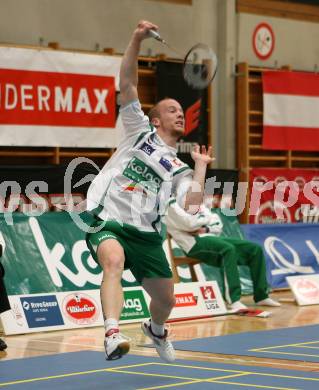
(291, 110)
(284, 195)
(56, 99)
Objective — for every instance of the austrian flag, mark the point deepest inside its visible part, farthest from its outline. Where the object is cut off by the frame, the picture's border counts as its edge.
(291, 110)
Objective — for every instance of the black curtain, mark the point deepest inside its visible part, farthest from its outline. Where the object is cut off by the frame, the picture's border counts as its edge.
(171, 84)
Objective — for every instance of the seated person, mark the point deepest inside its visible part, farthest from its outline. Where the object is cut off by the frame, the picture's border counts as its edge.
(199, 237)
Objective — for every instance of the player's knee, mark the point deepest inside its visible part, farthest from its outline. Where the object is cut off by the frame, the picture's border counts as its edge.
(112, 263)
(257, 249)
(166, 301)
(170, 301)
(229, 249)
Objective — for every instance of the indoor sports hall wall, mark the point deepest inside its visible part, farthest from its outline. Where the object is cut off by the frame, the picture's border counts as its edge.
(296, 42)
(80, 24)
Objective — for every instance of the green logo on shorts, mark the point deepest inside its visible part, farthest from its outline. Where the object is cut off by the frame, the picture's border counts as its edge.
(135, 306)
(141, 173)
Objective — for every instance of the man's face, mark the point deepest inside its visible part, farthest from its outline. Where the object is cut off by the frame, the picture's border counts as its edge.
(171, 117)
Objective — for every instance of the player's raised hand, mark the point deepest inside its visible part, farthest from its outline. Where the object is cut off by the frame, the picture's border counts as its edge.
(143, 28)
(203, 155)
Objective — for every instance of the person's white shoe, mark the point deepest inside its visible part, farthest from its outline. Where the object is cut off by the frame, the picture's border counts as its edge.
(163, 346)
(116, 344)
(268, 302)
(236, 306)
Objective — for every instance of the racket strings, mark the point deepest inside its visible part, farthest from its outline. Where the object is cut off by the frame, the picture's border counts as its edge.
(200, 66)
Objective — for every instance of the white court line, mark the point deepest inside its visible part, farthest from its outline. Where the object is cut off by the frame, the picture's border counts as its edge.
(180, 355)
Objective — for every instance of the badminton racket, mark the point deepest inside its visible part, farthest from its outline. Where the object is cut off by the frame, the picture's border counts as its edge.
(199, 65)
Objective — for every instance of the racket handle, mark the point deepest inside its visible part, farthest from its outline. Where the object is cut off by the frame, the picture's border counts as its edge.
(154, 34)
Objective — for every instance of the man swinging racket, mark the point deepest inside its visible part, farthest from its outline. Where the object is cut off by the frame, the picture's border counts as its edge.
(129, 196)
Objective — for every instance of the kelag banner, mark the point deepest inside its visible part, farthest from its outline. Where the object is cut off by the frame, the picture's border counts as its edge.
(284, 195)
(290, 249)
(51, 279)
(170, 83)
(53, 282)
(47, 254)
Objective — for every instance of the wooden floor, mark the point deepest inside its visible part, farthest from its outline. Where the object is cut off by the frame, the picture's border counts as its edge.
(289, 315)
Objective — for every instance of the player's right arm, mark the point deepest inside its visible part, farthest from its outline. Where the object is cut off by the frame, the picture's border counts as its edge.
(129, 65)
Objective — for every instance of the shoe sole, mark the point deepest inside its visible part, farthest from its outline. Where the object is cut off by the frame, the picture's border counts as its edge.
(122, 349)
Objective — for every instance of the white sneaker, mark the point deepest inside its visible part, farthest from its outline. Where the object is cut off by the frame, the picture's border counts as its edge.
(116, 345)
(268, 302)
(163, 346)
(236, 306)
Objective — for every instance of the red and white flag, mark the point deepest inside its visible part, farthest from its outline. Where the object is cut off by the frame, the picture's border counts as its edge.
(291, 110)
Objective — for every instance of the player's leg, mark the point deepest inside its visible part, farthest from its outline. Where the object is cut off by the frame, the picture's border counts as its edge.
(111, 258)
(251, 254)
(148, 263)
(107, 251)
(161, 291)
(216, 251)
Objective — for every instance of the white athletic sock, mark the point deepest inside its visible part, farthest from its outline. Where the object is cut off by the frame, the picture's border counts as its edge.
(111, 323)
(158, 330)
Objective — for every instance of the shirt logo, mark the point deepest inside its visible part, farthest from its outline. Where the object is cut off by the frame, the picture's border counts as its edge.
(166, 164)
(177, 162)
(141, 173)
(134, 187)
(148, 149)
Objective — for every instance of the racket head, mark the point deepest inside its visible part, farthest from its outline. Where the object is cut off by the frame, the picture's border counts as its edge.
(200, 66)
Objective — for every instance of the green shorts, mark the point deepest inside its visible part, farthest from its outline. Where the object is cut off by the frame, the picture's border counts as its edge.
(144, 254)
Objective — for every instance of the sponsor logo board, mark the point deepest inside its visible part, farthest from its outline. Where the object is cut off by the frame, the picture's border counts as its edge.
(56, 99)
(135, 306)
(186, 299)
(197, 299)
(80, 308)
(209, 298)
(305, 288)
(42, 311)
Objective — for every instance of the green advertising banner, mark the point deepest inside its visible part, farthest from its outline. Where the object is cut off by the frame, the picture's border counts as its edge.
(48, 253)
(135, 306)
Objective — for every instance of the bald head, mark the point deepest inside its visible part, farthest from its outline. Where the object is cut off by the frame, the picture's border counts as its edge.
(154, 112)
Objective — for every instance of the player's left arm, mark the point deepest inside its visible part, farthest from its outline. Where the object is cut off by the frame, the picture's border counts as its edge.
(194, 196)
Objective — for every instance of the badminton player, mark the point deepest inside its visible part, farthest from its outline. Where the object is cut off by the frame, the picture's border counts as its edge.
(128, 197)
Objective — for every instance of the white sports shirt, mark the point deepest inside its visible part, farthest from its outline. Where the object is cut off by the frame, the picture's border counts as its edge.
(180, 224)
(134, 186)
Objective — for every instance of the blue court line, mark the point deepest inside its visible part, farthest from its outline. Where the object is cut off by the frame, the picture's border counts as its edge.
(299, 343)
(88, 369)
